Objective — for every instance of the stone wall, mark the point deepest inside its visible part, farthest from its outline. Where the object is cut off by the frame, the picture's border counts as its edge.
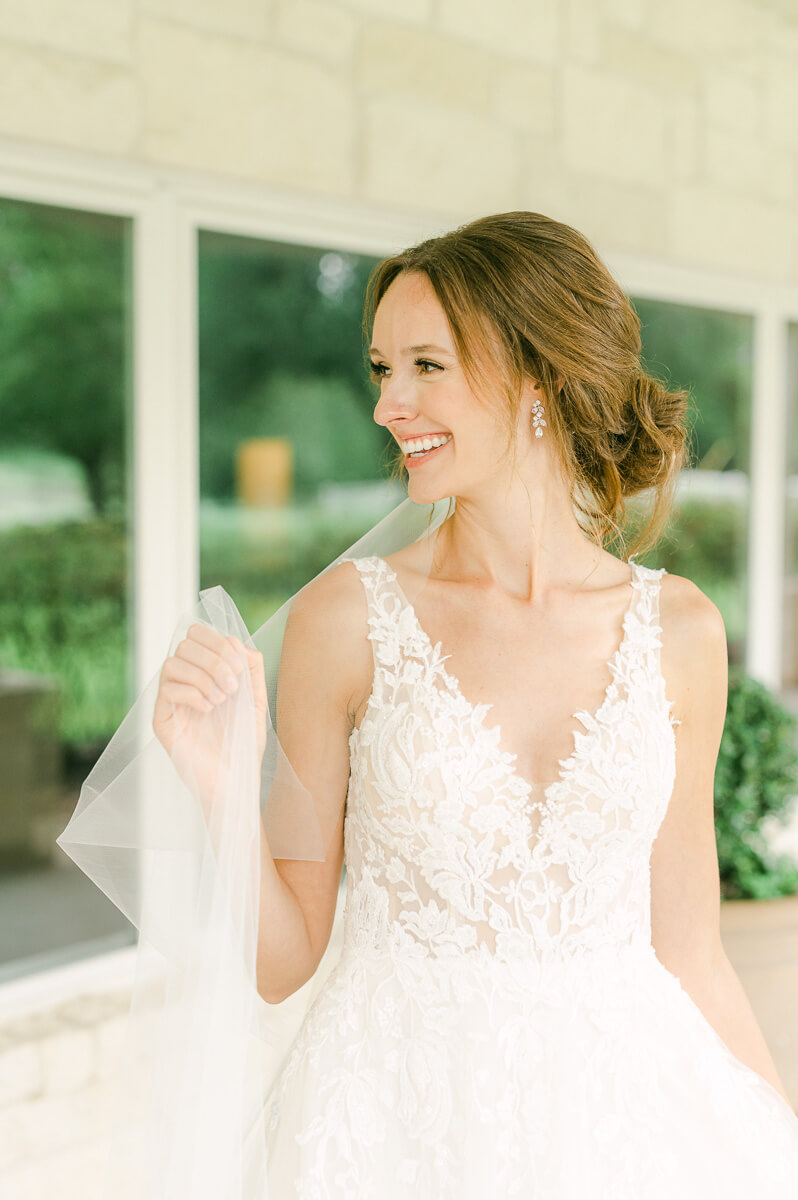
(57, 1072)
(59, 1084)
(661, 127)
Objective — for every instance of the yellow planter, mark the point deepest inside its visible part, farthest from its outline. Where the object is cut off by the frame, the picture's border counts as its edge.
(265, 472)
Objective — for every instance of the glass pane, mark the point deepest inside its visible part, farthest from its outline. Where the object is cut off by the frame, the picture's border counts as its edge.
(710, 353)
(65, 649)
(293, 467)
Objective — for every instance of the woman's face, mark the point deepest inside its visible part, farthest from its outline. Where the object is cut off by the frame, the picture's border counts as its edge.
(424, 392)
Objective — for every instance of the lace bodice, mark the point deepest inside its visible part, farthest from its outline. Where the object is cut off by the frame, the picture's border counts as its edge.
(449, 850)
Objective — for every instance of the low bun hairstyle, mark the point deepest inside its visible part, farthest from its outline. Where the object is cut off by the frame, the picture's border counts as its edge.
(527, 297)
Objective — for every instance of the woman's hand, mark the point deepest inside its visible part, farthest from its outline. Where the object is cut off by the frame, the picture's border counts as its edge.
(202, 676)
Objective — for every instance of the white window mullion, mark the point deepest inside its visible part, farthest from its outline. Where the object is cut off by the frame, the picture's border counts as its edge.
(769, 425)
(165, 504)
(165, 440)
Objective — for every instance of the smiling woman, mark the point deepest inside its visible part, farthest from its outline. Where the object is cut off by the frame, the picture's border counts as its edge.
(501, 1011)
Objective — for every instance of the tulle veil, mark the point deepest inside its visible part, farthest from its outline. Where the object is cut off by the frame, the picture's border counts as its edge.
(180, 858)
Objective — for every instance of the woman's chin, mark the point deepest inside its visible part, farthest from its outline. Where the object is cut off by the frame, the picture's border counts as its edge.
(426, 491)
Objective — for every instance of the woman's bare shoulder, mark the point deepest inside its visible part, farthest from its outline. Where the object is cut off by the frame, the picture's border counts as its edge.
(330, 616)
(686, 610)
(694, 655)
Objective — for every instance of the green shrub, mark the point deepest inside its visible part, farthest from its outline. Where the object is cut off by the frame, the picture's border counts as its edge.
(64, 612)
(756, 778)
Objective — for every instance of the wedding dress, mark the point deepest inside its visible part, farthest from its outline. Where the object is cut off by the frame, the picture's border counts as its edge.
(498, 1024)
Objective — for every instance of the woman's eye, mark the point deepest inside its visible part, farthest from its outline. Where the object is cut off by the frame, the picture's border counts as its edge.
(378, 369)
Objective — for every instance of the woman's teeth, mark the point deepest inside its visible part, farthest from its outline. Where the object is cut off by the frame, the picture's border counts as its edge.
(425, 445)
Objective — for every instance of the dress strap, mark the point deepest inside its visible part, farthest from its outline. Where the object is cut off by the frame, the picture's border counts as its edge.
(648, 632)
(384, 606)
(648, 582)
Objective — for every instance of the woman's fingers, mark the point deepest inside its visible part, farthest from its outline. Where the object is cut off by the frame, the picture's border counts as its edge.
(180, 670)
(204, 668)
(218, 660)
(180, 693)
(201, 636)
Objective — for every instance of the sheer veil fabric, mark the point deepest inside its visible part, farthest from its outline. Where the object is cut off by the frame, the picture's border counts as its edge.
(174, 842)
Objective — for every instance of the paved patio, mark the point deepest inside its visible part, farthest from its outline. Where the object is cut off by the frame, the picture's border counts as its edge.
(761, 940)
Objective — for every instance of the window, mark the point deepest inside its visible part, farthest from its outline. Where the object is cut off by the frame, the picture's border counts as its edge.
(710, 353)
(293, 467)
(66, 665)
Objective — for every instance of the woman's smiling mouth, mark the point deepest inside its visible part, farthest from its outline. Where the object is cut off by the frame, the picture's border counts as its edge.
(421, 452)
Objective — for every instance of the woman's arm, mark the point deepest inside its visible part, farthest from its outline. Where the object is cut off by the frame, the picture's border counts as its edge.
(325, 658)
(685, 880)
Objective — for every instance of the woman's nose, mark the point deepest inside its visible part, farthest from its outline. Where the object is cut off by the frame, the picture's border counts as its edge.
(394, 401)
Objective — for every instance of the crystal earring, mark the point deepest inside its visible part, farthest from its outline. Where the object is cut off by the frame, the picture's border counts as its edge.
(537, 418)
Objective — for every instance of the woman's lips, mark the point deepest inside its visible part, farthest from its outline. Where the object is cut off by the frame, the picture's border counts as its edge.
(419, 461)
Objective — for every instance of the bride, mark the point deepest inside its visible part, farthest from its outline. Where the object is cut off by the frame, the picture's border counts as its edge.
(508, 734)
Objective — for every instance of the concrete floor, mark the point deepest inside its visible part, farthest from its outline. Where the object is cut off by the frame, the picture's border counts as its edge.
(761, 940)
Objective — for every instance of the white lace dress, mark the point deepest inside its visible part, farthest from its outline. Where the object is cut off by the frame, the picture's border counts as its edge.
(498, 1024)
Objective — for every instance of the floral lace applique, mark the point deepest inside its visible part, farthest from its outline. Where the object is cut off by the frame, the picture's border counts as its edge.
(461, 853)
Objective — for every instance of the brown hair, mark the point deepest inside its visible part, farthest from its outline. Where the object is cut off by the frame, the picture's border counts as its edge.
(530, 298)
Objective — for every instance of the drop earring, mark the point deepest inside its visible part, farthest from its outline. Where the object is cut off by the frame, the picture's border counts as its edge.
(537, 418)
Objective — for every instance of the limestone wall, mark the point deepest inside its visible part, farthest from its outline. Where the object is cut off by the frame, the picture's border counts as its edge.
(665, 128)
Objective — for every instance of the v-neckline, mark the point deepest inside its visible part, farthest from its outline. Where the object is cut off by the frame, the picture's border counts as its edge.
(494, 733)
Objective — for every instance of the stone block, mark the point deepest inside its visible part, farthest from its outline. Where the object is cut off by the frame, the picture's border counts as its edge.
(57, 1122)
(582, 30)
(424, 65)
(638, 57)
(630, 14)
(733, 102)
(511, 30)
(684, 138)
(21, 1072)
(68, 1060)
(731, 233)
(45, 1052)
(323, 30)
(429, 158)
(241, 18)
(65, 100)
(526, 98)
(781, 102)
(94, 29)
(729, 33)
(618, 216)
(614, 128)
(223, 106)
(92, 1009)
(111, 1045)
(419, 12)
(13, 1141)
(749, 165)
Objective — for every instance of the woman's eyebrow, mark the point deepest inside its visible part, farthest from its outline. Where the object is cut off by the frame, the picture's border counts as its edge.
(417, 349)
